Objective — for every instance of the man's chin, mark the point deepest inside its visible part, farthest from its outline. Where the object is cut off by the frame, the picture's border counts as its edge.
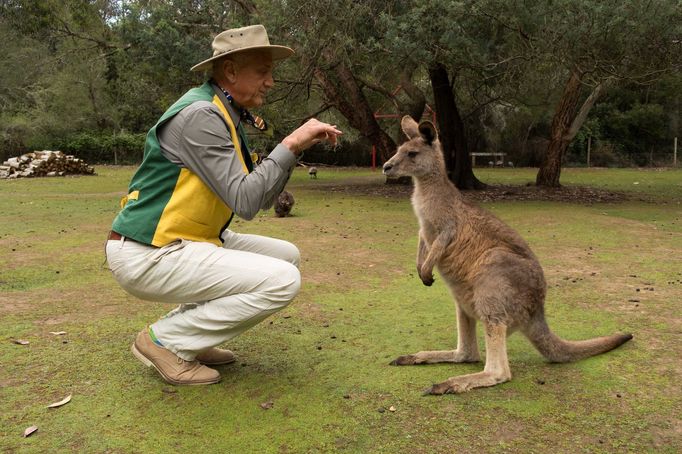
(256, 103)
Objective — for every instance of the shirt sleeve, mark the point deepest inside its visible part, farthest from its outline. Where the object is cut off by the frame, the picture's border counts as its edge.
(197, 138)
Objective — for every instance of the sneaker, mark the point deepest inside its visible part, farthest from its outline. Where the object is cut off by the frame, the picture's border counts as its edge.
(216, 356)
(172, 368)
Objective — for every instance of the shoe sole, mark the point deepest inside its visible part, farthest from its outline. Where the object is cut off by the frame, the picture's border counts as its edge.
(147, 362)
(218, 363)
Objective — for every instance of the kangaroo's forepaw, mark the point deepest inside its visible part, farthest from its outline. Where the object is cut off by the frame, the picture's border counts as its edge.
(428, 280)
(405, 360)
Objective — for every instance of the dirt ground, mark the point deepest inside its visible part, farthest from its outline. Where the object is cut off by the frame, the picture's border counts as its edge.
(572, 194)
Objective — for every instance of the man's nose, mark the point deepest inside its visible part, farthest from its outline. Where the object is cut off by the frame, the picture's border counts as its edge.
(269, 81)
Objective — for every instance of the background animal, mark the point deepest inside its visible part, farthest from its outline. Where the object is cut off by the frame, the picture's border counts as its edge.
(493, 274)
(283, 204)
(312, 172)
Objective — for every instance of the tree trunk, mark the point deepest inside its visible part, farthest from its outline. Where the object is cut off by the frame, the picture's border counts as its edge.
(346, 96)
(451, 131)
(415, 108)
(550, 170)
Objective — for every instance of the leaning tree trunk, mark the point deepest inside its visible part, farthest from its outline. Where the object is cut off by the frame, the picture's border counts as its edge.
(344, 93)
(451, 131)
(417, 103)
(550, 170)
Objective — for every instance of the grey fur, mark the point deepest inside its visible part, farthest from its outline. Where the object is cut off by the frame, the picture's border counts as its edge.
(490, 270)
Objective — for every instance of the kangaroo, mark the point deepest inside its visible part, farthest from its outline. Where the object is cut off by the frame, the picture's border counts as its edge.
(312, 172)
(490, 270)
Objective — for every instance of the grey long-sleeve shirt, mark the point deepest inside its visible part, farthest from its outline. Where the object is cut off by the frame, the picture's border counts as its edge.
(197, 138)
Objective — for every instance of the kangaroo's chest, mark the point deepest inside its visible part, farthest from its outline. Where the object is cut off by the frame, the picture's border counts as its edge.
(433, 219)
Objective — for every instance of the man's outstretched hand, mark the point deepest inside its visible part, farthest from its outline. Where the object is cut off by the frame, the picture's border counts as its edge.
(311, 132)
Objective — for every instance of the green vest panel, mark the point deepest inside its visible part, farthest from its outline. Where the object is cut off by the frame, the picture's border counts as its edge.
(165, 202)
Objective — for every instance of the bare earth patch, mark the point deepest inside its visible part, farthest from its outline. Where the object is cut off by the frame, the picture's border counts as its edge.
(572, 194)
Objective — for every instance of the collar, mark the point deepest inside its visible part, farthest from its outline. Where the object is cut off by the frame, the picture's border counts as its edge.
(243, 114)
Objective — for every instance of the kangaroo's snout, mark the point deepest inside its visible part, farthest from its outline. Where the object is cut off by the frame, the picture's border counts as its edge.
(388, 166)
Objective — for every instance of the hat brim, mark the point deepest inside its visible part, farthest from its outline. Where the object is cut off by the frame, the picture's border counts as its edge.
(277, 52)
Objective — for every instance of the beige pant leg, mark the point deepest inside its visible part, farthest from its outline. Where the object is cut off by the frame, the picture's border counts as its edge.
(222, 291)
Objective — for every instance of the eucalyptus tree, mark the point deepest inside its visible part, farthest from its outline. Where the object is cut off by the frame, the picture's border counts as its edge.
(163, 41)
(56, 53)
(587, 46)
(462, 54)
(342, 62)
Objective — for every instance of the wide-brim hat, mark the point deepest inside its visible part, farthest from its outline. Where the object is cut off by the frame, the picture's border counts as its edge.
(252, 37)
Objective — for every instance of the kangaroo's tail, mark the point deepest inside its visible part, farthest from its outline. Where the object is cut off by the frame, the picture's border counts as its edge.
(557, 350)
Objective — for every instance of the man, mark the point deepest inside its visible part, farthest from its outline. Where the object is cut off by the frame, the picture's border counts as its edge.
(170, 241)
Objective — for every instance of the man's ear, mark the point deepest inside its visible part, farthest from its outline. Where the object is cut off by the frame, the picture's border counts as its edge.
(229, 68)
(409, 127)
(428, 131)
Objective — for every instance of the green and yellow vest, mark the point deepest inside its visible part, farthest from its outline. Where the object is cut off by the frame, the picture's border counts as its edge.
(166, 202)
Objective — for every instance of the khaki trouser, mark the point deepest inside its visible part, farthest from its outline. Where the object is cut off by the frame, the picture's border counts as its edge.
(222, 291)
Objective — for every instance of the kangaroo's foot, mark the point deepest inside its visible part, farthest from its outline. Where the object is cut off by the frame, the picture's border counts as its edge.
(438, 356)
(496, 366)
(463, 383)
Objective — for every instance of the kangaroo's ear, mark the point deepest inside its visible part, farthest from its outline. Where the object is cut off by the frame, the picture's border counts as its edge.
(409, 127)
(428, 131)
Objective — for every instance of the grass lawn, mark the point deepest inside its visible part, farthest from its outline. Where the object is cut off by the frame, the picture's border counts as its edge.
(323, 361)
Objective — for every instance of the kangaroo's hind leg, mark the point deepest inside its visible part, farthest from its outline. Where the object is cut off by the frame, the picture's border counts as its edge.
(496, 365)
(467, 348)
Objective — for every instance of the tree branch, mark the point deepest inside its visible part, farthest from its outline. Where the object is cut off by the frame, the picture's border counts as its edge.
(580, 118)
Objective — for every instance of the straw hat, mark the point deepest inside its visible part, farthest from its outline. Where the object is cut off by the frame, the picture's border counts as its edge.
(252, 37)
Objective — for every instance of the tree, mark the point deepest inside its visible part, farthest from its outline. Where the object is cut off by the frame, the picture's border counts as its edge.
(461, 51)
(62, 45)
(342, 65)
(592, 45)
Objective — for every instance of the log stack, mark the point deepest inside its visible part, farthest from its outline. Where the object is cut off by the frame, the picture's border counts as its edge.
(44, 164)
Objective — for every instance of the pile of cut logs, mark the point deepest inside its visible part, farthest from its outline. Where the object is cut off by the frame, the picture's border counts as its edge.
(44, 164)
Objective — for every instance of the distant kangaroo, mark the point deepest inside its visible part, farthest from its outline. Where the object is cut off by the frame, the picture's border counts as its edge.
(489, 268)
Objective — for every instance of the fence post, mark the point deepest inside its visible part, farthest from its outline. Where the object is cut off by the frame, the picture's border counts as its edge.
(675, 153)
(589, 147)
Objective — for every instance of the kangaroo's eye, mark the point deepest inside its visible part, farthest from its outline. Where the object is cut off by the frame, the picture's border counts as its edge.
(411, 154)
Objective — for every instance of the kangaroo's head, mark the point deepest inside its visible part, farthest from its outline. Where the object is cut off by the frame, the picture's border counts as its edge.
(420, 156)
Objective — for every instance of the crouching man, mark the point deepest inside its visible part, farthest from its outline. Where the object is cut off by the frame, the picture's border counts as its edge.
(171, 243)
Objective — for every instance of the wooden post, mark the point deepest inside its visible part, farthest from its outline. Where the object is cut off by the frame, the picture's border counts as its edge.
(589, 147)
(675, 153)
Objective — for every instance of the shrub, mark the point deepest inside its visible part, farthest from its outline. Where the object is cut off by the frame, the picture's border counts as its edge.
(104, 147)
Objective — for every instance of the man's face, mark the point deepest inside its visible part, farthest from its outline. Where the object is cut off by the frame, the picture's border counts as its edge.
(251, 78)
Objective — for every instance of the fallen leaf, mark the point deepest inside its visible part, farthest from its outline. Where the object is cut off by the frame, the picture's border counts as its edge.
(64, 401)
(20, 342)
(267, 405)
(58, 333)
(391, 408)
(29, 431)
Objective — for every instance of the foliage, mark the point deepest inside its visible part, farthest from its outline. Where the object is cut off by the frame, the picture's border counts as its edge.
(97, 147)
(112, 67)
